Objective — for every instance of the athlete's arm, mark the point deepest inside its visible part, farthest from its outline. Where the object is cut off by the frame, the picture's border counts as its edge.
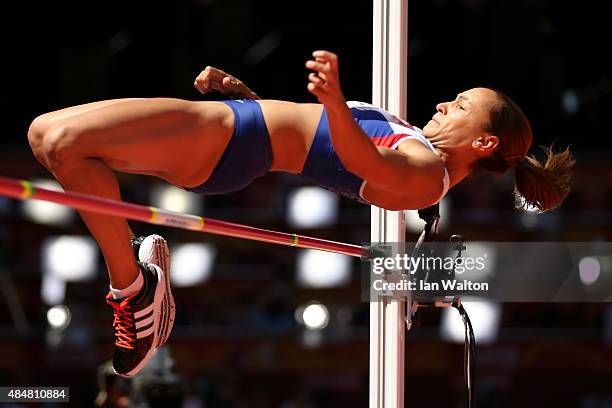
(413, 171)
(214, 79)
(402, 172)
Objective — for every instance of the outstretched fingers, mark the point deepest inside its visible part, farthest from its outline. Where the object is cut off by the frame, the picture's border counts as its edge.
(324, 82)
(327, 57)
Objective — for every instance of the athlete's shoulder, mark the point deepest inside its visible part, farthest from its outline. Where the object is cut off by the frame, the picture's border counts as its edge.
(383, 114)
(358, 104)
(365, 106)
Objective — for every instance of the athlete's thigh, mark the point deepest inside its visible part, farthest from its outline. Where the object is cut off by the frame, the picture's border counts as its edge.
(177, 140)
(48, 119)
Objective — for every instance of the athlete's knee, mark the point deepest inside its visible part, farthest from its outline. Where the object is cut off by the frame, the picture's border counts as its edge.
(58, 145)
(36, 134)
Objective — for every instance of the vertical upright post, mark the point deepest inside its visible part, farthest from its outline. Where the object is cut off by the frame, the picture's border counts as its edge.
(387, 314)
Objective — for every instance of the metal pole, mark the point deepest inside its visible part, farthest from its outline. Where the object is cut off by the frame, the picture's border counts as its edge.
(23, 190)
(387, 314)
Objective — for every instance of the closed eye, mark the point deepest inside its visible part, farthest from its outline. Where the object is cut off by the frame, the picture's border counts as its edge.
(460, 99)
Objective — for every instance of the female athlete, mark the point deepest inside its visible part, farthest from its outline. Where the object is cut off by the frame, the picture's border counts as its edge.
(352, 148)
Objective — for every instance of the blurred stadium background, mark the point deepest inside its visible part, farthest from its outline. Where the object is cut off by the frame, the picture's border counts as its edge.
(267, 326)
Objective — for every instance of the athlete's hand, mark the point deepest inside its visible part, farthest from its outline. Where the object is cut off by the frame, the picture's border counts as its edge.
(324, 82)
(214, 79)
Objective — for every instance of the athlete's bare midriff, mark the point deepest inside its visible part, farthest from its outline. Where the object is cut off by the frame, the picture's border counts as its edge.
(292, 128)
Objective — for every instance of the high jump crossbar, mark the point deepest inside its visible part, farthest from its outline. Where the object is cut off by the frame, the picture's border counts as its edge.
(24, 190)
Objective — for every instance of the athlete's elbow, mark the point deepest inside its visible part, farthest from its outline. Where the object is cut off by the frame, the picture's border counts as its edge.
(366, 169)
(405, 185)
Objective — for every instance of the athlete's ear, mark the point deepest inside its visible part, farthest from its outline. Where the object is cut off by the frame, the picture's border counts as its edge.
(485, 144)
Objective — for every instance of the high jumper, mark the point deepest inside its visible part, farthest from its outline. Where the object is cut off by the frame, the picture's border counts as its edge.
(352, 148)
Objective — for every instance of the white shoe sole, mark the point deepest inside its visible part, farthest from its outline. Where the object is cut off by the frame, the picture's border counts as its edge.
(154, 250)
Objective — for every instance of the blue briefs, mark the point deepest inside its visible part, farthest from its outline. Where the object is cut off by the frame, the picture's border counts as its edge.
(248, 154)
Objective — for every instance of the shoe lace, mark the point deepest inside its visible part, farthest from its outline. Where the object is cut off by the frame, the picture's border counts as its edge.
(125, 335)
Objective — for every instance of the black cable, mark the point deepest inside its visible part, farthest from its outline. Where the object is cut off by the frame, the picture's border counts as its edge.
(469, 354)
(431, 216)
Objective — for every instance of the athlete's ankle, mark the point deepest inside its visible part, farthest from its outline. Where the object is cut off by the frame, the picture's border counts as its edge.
(129, 289)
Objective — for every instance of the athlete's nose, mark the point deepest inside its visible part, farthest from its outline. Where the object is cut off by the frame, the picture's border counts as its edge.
(442, 107)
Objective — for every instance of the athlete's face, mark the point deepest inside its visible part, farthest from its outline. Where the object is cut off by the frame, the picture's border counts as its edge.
(458, 126)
